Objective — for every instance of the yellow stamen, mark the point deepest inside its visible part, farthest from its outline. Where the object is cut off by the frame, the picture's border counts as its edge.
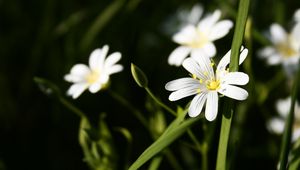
(213, 85)
(198, 90)
(194, 76)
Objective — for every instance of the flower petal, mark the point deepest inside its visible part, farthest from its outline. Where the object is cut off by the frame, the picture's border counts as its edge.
(182, 93)
(235, 78)
(178, 55)
(204, 63)
(210, 50)
(226, 59)
(211, 108)
(283, 106)
(195, 14)
(234, 92)
(296, 134)
(95, 87)
(114, 69)
(112, 59)
(274, 59)
(78, 73)
(297, 15)
(206, 24)
(296, 33)
(191, 65)
(266, 52)
(182, 83)
(97, 57)
(197, 105)
(276, 125)
(278, 34)
(77, 89)
(186, 35)
(220, 29)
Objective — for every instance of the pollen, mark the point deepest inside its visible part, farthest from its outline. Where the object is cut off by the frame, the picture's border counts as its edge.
(194, 76)
(198, 90)
(92, 77)
(286, 50)
(213, 85)
(199, 41)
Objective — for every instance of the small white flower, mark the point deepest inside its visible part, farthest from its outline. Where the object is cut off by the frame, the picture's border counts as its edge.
(276, 124)
(285, 48)
(206, 84)
(199, 38)
(95, 76)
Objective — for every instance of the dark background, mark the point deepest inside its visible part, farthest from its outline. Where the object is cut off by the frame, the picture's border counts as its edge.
(46, 38)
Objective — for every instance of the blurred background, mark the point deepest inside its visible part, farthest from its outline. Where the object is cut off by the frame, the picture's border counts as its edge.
(46, 38)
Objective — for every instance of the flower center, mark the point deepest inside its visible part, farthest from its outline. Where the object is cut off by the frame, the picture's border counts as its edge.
(93, 77)
(199, 41)
(286, 49)
(213, 85)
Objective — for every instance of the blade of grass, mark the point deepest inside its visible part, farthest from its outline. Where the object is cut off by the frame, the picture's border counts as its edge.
(162, 142)
(286, 138)
(234, 64)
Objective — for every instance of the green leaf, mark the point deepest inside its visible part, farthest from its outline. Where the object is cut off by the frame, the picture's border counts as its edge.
(170, 135)
(139, 76)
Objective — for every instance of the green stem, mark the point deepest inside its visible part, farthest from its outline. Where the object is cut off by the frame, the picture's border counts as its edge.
(134, 111)
(71, 107)
(234, 64)
(159, 102)
(285, 146)
(202, 148)
(142, 119)
(204, 152)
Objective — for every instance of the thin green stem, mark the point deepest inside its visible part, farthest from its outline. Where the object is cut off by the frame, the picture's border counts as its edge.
(143, 120)
(194, 139)
(71, 107)
(202, 148)
(285, 145)
(133, 110)
(204, 152)
(160, 102)
(234, 64)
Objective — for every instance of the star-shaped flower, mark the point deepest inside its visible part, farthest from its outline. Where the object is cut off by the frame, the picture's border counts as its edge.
(285, 48)
(205, 83)
(95, 76)
(199, 38)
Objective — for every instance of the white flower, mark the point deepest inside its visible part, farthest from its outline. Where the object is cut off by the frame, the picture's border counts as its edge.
(276, 124)
(285, 47)
(95, 76)
(206, 84)
(199, 38)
